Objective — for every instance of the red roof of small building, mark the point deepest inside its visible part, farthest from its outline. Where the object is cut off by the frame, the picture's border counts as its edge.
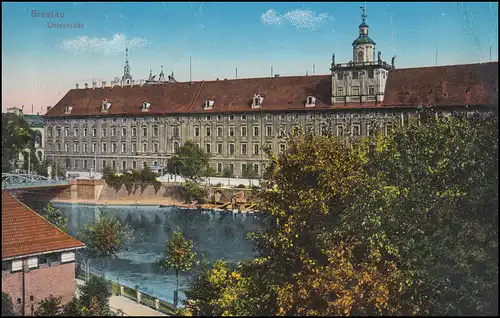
(471, 84)
(24, 232)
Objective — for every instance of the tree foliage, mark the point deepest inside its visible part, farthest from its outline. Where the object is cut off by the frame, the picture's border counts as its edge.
(16, 136)
(50, 306)
(190, 162)
(399, 225)
(94, 297)
(249, 172)
(55, 216)
(192, 190)
(107, 235)
(8, 306)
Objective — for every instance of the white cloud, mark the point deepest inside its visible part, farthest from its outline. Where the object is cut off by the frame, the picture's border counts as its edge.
(301, 19)
(106, 46)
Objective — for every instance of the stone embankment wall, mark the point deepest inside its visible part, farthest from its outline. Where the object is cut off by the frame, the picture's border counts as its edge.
(82, 190)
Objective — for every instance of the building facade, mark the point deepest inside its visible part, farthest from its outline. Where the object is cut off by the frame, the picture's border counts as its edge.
(128, 126)
(38, 259)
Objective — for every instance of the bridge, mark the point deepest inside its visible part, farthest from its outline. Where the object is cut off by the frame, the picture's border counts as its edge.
(20, 181)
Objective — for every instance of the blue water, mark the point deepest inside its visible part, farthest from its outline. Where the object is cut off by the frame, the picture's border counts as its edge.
(215, 235)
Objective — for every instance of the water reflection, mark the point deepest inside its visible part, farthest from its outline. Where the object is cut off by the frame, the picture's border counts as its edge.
(215, 235)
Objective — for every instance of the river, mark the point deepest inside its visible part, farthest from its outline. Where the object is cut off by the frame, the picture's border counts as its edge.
(215, 235)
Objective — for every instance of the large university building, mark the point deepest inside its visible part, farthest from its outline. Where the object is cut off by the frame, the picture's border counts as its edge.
(126, 125)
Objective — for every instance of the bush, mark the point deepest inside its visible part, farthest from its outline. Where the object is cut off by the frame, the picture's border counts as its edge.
(240, 186)
(218, 185)
(157, 186)
(192, 191)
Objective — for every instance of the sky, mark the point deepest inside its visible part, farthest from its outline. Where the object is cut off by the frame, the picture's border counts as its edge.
(40, 62)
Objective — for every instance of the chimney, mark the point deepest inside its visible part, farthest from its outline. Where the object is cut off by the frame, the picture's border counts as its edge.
(48, 108)
(86, 85)
(94, 85)
(103, 84)
(77, 85)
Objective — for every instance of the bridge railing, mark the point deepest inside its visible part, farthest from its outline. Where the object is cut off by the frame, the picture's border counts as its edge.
(11, 180)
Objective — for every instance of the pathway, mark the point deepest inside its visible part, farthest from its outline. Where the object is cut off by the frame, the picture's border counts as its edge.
(129, 307)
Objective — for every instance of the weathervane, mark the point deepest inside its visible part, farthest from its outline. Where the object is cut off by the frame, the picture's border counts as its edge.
(363, 14)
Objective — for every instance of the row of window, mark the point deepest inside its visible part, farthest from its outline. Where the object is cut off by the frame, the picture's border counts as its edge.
(39, 261)
(104, 132)
(355, 74)
(355, 90)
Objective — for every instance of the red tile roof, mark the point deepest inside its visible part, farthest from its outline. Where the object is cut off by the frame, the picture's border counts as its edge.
(405, 87)
(25, 232)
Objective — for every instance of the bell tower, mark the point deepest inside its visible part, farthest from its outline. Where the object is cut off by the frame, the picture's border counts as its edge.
(127, 77)
(363, 48)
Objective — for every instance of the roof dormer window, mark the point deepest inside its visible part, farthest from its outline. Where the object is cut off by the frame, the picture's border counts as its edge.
(310, 101)
(105, 106)
(146, 106)
(257, 101)
(67, 110)
(208, 104)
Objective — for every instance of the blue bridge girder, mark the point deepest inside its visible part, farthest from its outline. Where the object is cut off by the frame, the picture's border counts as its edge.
(15, 181)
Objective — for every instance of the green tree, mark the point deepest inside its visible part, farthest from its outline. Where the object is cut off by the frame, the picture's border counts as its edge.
(227, 173)
(190, 162)
(55, 216)
(191, 190)
(7, 306)
(16, 136)
(50, 306)
(178, 255)
(94, 297)
(107, 235)
(249, 172)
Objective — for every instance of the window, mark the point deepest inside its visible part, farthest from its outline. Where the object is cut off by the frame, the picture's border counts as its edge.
(76, 163)
(219, 131)
(124, 119)
(269, 117)
(49, 146)
(231, 131)
(388, 128)
(243, 149)
(340, 130)
(219, 117)
(196, 131)
(124, 165)
(104, 147)
(66, 132)
(371, 90)
(243, 117)
(75, 132)
(360, 56)
(49, 132)
(256, 131)
(104, 132)
(371, 74)
(94, 164)
(124, 147)
(269, 131)
(58, 132)
(231, 117)
(256, 167)
(94, 147)
(144, 164)
(155, 131)
(176, 131)
(84, 132)
(198, 146)
(124, 131)
(134, 147)
(282, 117)
(231, 149)
(113, 131)
(219, 149)
(340, 91)
(282, 132)
(145, 131)
(75, 147)
(85, 164)
(144, 147)
(113, 164)
(243, 131)
(208, 131)
(155, 148)
(104, 163)
(219, 167)
(208, 148)
(134, 132)
(66, 147)
(134, 165)
(155, 163)
(256, 149)
(355, 75)
(368, 127)
(340, 76)
(113, 147)
(282, 147)
(176, 147)
(356, 130)
(355, 90)
(323, 130)
(231, 168)
(94, 132)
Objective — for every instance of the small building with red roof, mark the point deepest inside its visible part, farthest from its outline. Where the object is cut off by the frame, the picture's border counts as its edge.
(38, 259)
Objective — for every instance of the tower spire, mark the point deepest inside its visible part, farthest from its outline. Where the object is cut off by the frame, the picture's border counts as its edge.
(363, 13)
(126, 55)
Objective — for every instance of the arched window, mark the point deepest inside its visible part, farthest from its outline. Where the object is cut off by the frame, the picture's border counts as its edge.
(360, 56)
(176, 147)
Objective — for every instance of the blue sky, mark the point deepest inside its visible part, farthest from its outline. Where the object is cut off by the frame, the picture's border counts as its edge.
(40, 64)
